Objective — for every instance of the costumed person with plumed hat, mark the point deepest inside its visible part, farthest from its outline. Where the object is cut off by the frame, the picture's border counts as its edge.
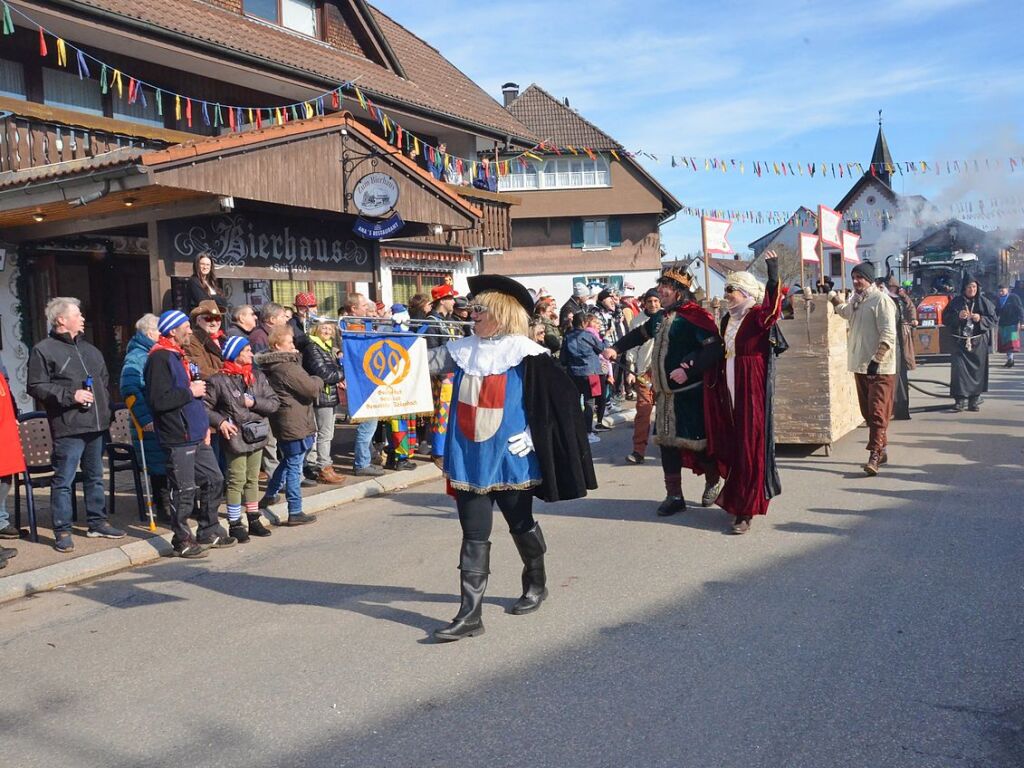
(741, 431)
(516, 431)
(969, 317)
(871, 357)
(687, 348)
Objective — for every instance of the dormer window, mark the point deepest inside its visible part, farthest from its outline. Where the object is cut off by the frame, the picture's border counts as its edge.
(297, 15)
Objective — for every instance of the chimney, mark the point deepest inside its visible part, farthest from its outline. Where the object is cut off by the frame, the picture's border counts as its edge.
(510, 91)
(566, 101)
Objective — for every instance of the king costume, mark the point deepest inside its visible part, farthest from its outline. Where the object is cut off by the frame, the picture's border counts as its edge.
(516, 432)
(684, 335)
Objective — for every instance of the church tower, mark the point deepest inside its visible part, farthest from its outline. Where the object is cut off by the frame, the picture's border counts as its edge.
(881, 159)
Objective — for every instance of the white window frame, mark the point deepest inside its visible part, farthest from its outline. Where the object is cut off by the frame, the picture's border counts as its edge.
(574, 172)
(592, 231)
(282, 19)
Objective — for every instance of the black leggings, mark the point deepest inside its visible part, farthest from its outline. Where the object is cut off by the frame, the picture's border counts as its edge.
(476, 512)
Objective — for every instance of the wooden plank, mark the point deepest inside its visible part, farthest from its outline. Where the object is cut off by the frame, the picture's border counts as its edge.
(815, 396)
(33, 110)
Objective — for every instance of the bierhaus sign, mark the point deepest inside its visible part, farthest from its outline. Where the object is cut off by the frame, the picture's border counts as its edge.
(265, 245)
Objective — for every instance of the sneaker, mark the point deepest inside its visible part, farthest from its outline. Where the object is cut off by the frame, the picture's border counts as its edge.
(711, 493)
(307, 483)
(105, 530)
(635, 458)
(10, 532)
(238, 531)
(592, 438)
(6, 553)
(601, 427)
(190, 550)
(300, 519)
(405, 464)
(368, 471)
(612, 408)
(64, 543)
(217, 541)
(671, 505)
(310, 472)
(256, 527)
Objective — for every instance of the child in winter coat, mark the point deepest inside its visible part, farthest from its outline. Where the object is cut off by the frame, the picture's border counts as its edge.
(239, 399)
(293, 422)
(581, 356)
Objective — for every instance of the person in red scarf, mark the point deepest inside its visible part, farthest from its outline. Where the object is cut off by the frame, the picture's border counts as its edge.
(12, 462)
(174, 393)
(204, 345)
(239, 399)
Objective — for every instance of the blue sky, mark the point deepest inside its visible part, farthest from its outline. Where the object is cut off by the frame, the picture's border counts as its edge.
(796, 80)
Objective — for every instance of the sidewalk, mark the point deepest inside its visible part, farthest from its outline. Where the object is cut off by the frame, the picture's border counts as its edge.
(38, 567)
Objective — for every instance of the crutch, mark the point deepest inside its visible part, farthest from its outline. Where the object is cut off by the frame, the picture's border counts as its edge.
(146, 489)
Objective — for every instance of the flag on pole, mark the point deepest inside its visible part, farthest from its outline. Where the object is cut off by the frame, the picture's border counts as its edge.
(809, 247)
(828, 226)
(715, 232)
(386, 375)
(850, 241)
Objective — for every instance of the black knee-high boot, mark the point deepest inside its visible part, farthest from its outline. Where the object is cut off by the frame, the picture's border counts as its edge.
(531, 548)
(474, 566)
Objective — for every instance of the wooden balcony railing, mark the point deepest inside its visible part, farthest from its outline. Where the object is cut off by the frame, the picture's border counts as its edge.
(32, 135)
(495, 229)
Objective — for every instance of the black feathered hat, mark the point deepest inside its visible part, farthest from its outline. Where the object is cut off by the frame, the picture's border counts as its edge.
(501, 284)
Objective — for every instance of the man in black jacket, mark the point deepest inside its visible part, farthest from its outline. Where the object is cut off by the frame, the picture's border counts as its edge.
(68, 376)
(174, 393)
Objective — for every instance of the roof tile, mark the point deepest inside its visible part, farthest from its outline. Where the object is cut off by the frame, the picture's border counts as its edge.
(553, 121)
(436, 84)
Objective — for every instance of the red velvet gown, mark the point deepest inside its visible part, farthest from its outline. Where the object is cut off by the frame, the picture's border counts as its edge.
(740, 429)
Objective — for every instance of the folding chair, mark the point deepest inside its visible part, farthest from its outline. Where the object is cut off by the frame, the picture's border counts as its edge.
(121, 457)
(37, 445)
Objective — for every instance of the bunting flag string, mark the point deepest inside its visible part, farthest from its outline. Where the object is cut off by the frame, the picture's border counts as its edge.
(839, 170)
(985, 210)
(254, 116)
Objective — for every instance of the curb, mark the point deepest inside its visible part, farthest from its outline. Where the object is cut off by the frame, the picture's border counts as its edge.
(153, 548)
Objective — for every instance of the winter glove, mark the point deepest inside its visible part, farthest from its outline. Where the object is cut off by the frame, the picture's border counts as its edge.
(521, 444)
(873, 368)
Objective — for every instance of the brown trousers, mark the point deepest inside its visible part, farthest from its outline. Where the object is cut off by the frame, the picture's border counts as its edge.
(644, 407)
(875, 395)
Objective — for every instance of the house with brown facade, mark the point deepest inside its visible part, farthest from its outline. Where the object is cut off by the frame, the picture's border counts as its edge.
(134, 136)
(588, 211)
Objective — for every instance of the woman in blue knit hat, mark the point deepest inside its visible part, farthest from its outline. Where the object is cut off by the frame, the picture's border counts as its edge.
(239, 399)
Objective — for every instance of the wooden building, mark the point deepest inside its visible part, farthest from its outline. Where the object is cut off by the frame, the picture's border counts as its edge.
(584, 215)
(121, 159)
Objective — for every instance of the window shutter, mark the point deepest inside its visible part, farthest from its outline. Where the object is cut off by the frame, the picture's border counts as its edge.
(577, 233)
(614, 231)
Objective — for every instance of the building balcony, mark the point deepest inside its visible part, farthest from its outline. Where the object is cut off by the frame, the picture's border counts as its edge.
(34, 135)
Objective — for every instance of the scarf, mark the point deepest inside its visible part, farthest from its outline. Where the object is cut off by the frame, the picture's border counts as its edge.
(169, 344)
(858, 298)
(231, 368)
(743, 307)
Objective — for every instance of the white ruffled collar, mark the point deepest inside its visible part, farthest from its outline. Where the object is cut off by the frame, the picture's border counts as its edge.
(488, 357)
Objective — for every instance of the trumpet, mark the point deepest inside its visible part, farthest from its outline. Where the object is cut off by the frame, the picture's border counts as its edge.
(429, 327)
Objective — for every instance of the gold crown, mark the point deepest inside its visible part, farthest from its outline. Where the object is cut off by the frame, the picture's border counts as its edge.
(676, 276)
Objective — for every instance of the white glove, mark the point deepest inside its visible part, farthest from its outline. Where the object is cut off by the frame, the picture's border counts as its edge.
(521, 444)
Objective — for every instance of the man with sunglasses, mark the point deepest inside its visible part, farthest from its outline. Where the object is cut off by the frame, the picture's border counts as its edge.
(204, 346)
(687, 345)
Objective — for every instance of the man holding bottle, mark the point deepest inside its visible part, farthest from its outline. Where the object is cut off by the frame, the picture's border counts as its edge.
(68, 376)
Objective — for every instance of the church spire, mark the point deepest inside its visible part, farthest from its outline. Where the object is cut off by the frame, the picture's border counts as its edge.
(881, 159)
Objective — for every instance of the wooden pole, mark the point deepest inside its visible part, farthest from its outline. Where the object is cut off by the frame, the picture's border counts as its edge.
(707, 268)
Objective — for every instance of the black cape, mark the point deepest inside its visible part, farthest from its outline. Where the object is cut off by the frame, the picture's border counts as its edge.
(968, 375)
(559, 432)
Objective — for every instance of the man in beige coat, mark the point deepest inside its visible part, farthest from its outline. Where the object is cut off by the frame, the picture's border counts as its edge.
(871, 356)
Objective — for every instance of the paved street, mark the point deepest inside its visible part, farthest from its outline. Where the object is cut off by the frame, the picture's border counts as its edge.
(863, 623)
